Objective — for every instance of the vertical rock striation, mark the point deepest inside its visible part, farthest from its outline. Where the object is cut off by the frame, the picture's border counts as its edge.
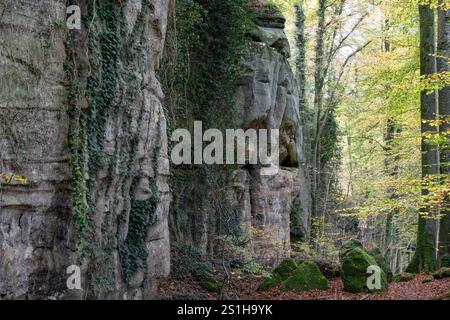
(35, 215)
(82, 121)
(268, 99)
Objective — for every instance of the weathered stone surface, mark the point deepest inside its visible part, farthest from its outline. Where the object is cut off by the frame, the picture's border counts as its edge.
(35, 237)
(265, 204)
(267, 97)
(38, 233)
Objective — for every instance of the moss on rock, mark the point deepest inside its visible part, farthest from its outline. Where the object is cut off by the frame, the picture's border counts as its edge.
(442, 273)
(404, 277)
(295, 275)
(349, 246)
(268, 283)
(285, 269)
(354, 271)
(305, 278)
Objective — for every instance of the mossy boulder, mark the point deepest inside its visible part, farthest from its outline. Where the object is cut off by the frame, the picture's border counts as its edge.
(442, 273)
(279, 274)
(305, 278)
(285, 269)
(355, 263)
(268, 283)
(403, 277)
(349, 246)
(295, 275)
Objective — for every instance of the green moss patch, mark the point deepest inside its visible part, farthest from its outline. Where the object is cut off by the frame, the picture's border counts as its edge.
(404, 277)
(349, 246)
(354, 271)
(380, 259)
(268, 283)
(307, 277)
(285, 269)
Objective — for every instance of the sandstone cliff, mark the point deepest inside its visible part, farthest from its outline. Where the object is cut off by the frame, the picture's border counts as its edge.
(268, 98)
(209, 204)
(81, 120)
(84, 152)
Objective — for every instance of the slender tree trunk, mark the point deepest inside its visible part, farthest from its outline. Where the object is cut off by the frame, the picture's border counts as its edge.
(318, 105)
(392, 170)
(426, 250)
(443, 65)
(304, 177)
(350, 167)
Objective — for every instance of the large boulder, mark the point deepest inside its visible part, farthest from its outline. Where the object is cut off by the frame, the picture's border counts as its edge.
(283, 271)
(307, 277)
(297, 276)
(355, 263)
(329, 269)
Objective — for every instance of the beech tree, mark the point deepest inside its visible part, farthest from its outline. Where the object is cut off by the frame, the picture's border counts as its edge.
(443, 67)
(425, 257)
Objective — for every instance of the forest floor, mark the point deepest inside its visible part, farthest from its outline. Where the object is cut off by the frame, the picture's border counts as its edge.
(246, 288)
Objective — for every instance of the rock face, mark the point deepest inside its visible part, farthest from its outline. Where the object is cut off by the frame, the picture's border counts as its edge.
(35, 240)
(267, 95)
(268, 99)
(82, 122)
(265, 206)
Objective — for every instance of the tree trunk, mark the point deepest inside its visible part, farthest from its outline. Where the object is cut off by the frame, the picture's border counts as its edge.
(304, 177)
(425, 256)
(443, 65)
(318, 104)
